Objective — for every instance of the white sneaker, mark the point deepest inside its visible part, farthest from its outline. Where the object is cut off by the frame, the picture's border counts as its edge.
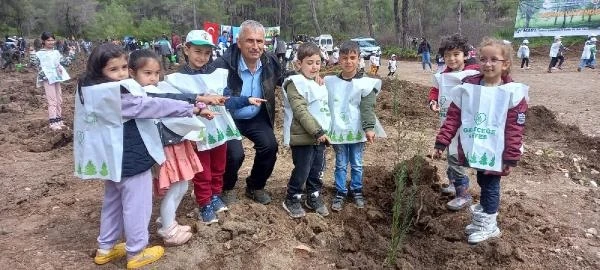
(488, 228)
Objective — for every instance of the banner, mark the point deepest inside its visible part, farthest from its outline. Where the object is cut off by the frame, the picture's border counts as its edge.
(213, 29)
(537, 18)
(235, 32)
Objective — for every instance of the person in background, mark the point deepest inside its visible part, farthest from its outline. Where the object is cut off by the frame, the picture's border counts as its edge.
(523, 53)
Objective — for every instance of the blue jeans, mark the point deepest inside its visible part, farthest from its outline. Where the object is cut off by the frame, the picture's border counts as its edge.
(344, 154)
(426, 59)
(490, 192)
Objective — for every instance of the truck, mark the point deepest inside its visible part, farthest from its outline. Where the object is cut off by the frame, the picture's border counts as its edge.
(325, 41)
(367, 46)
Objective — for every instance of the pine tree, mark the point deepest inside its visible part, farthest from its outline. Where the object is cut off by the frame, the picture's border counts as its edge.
(483, 160)
(220, 135)
(493, 161)
(211, 139)
(332, 136)
(201, 135)
(104, 169)
(90, 169)
(350, 136)
(473, 159)
(341, 138)
(79, 171)
(359, 135)
(229, 132)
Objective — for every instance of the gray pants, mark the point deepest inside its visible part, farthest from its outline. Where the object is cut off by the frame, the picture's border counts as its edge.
(127, 208)
(455, 171)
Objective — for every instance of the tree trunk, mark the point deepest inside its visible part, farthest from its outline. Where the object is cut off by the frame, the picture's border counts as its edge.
(397, 30)
(404, 22)
(194, 12)
(459, 19)
(367, 4)
(313, 9)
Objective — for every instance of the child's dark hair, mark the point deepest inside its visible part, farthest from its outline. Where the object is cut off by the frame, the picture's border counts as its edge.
(452, 42)
(308, 49)
(139, 58)
(46, 35)
(349, 47)
(97, 61)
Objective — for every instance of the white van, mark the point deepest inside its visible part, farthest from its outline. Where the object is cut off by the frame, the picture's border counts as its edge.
(325, 41)
(367, 46)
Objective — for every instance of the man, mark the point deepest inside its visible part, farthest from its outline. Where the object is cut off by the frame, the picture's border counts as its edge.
(223, 39)
(255, 73)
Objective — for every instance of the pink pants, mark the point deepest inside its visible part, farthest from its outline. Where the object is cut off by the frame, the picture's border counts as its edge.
(54, 97)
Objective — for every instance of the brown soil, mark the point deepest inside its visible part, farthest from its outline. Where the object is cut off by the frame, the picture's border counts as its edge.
(49, 219)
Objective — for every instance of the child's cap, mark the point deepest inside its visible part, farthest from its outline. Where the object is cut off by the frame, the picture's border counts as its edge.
(593, 39)
(393, 55)
(199, 38)
(525, 41)
(557, 37)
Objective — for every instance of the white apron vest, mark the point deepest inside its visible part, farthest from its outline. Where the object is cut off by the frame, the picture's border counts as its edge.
(190, 128)
(317, 100)
(483, 117)
(344, 106)
(220, 129)
(98, 132)
(445, 82)
(50, 65)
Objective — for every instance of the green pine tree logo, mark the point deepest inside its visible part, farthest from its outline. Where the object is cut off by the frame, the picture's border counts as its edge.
(350, 136)
(332, 136)
(201, 135)
(473, 159)
(493, 161)
(237, 133)
(359, 136)
(90, 169)
(483, 160)
(220, 135)
(79, 171)
(211, 139)
(341, 138)
(104, 169)
(229, 132)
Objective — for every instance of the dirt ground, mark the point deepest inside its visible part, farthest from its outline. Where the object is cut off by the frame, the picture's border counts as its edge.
(549, 214)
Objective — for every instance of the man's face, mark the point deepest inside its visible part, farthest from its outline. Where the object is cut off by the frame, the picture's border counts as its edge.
(251, 42)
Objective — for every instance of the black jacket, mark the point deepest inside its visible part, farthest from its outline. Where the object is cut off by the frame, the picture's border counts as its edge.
(270, 77)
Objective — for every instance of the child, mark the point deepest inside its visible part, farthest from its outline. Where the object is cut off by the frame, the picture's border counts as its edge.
(361, 64)
(118, 141)
(352, 109)
(392, 65)
(588, 56)
(454, 49)
(305, 126)
(374, 61)
(554, 49)
(50, 74)
(489, 110)
(197, 77)
(181, 162)
(523, 53)
(439, 59)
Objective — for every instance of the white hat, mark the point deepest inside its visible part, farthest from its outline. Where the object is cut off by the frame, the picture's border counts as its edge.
(506, 42)
(199, 38)
(557, 37)
(593, 39)
(525, 41)
(393, 55)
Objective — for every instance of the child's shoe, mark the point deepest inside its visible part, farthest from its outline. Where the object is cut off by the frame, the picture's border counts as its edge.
(459, 203)
(208, 215)
(338, 201)
(116, 252)
(218, 204)
(463, 198)
(315, 202)
(449, 190)
(229, 197)
(358, 197)
(185, 228)
(175, 235)
(471, 228)
(488, 227)
(147, 256)
(293, 205)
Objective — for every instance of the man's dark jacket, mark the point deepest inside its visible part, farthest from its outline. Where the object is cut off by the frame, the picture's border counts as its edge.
(270, 77)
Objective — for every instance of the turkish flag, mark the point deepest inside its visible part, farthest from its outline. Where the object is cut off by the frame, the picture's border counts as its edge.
(213, 29)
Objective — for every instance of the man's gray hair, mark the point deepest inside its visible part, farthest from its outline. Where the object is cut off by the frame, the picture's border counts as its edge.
(251, 25)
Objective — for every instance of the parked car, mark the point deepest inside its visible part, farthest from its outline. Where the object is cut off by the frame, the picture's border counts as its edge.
(325, 41)
(367, 46)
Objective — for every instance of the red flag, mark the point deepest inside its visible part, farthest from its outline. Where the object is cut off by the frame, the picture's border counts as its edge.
(213, 29)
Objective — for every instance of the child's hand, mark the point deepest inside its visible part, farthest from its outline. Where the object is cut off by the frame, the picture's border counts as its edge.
(208, 114)
(370, 136)
(319, 80)
(437, 153)
(434, 106)
(256, 101)
(212, 99)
